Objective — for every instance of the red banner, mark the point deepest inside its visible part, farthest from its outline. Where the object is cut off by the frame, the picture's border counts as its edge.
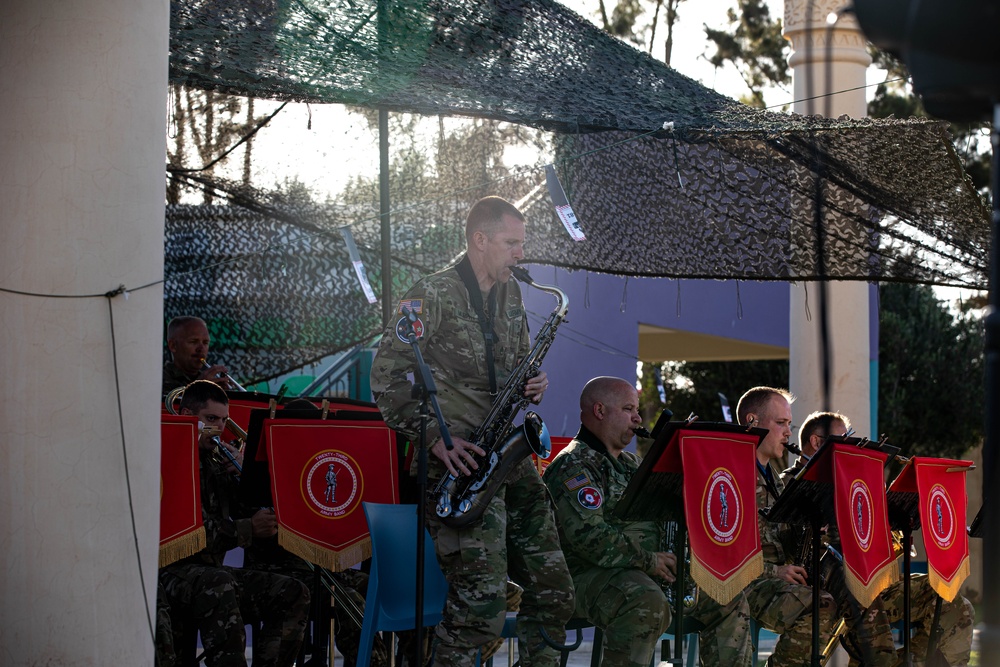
(321, 471)
(940, 484)
(182, 532)
(720, 508)
(863, 521)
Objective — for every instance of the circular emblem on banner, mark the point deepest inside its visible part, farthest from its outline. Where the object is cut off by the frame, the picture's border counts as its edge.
(940, 517)
(332, 484)
(590, 498)
(418, 328)
(861, 513)
(721, 504)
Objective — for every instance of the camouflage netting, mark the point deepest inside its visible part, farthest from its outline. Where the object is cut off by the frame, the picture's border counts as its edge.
(726, 192)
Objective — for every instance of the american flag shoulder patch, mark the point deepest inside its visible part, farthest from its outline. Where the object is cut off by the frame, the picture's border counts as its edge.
(577, 482)
(413, 305)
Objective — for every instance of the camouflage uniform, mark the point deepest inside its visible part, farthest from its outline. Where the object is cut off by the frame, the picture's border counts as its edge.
(611, 561)
(165, 656)
(869, 634)
(780, 606)
(174, 377)
(269, 556)
(221, 599)
(517, 535)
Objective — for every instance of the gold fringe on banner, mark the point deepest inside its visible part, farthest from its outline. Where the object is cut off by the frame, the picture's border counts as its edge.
(865, 595)
(724, 591)
(183, 546)
(948, 589)
(322, 556)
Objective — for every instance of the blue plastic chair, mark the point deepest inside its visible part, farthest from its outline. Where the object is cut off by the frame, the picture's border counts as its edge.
(392, 584)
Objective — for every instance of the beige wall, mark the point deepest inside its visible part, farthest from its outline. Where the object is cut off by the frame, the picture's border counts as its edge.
(82, 153)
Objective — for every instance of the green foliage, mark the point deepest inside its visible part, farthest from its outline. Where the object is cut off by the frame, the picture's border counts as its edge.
(753, 44)
(694, 387)
(931, 373)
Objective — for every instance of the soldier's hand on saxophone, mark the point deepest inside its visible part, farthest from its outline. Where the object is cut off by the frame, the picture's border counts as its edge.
(461, 458)
(536, 386)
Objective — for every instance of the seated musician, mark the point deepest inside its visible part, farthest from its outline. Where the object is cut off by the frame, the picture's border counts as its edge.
(188, 341)
(265, 554)
(869, 637)
(222, 599)
(780, 599)
(619, 567)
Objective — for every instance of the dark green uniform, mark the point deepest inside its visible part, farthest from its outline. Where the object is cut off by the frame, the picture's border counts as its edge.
(612, 562)
(174, 377)
(781, 606)
(221, 599)
(869, 634)
(517, 535)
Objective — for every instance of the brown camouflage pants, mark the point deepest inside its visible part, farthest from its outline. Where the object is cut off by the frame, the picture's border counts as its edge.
(517, 538)
(786, 609)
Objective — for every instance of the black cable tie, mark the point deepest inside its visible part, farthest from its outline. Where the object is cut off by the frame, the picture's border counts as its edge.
(115, 292)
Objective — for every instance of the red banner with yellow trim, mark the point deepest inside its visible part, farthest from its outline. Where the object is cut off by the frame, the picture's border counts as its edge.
(863, 521)
(721, 510)
(182, 532)
(940, 485)
(321, 472)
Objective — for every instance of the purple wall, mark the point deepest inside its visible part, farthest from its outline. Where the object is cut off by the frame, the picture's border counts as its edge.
(597, 338)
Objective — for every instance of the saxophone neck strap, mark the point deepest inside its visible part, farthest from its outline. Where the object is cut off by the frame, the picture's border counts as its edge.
(485, 315)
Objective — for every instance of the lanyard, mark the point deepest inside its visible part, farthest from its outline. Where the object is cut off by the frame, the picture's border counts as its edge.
(468, 277)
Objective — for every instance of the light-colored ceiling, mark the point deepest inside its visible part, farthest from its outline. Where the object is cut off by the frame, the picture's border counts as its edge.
(663, 344)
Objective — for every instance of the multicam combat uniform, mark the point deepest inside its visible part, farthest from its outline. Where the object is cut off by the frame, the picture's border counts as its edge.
(221, 599)
(267, 555)
(517, 535)
(869, 635)
(174, 377)
(611, 561)
(781, 606)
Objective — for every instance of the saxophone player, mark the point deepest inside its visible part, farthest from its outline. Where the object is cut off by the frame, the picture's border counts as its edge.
(869, 635)
(472, 330)
(780, 599)
(618, 566)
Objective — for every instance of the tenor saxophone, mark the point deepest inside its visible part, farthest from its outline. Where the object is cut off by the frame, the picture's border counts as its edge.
(462, 500)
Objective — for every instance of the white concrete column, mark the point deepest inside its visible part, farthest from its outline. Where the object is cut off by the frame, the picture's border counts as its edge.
(848, 301)
(82, 151)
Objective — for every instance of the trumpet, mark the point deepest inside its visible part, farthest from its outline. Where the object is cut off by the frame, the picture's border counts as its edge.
(175, 396)
(225, 376)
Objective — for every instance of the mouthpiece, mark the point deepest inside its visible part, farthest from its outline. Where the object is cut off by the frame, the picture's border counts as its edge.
(521, 274)
(793, 448)
(642, 432)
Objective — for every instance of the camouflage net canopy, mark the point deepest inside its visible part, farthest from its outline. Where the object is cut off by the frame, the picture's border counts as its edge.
(667, 177)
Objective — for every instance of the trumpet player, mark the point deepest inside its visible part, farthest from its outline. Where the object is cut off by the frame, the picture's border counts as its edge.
(472, 328)
(618, 567)
(218, 598)
(868, 638)
(780, 599)
(188, 342)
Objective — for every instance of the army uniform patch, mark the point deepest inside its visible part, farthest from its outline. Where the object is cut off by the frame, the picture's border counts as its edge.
(412, 305)
(418, 328)
(590, 498)
(577, 482)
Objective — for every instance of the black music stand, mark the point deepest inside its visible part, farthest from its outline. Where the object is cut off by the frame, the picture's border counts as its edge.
(255, 491)
(904, 515)
(656, 493)
(808, 500)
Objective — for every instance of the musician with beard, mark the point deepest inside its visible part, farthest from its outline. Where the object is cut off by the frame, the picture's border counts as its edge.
(780, 599)
(619, 567)
(473, 331)
(869, 635)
